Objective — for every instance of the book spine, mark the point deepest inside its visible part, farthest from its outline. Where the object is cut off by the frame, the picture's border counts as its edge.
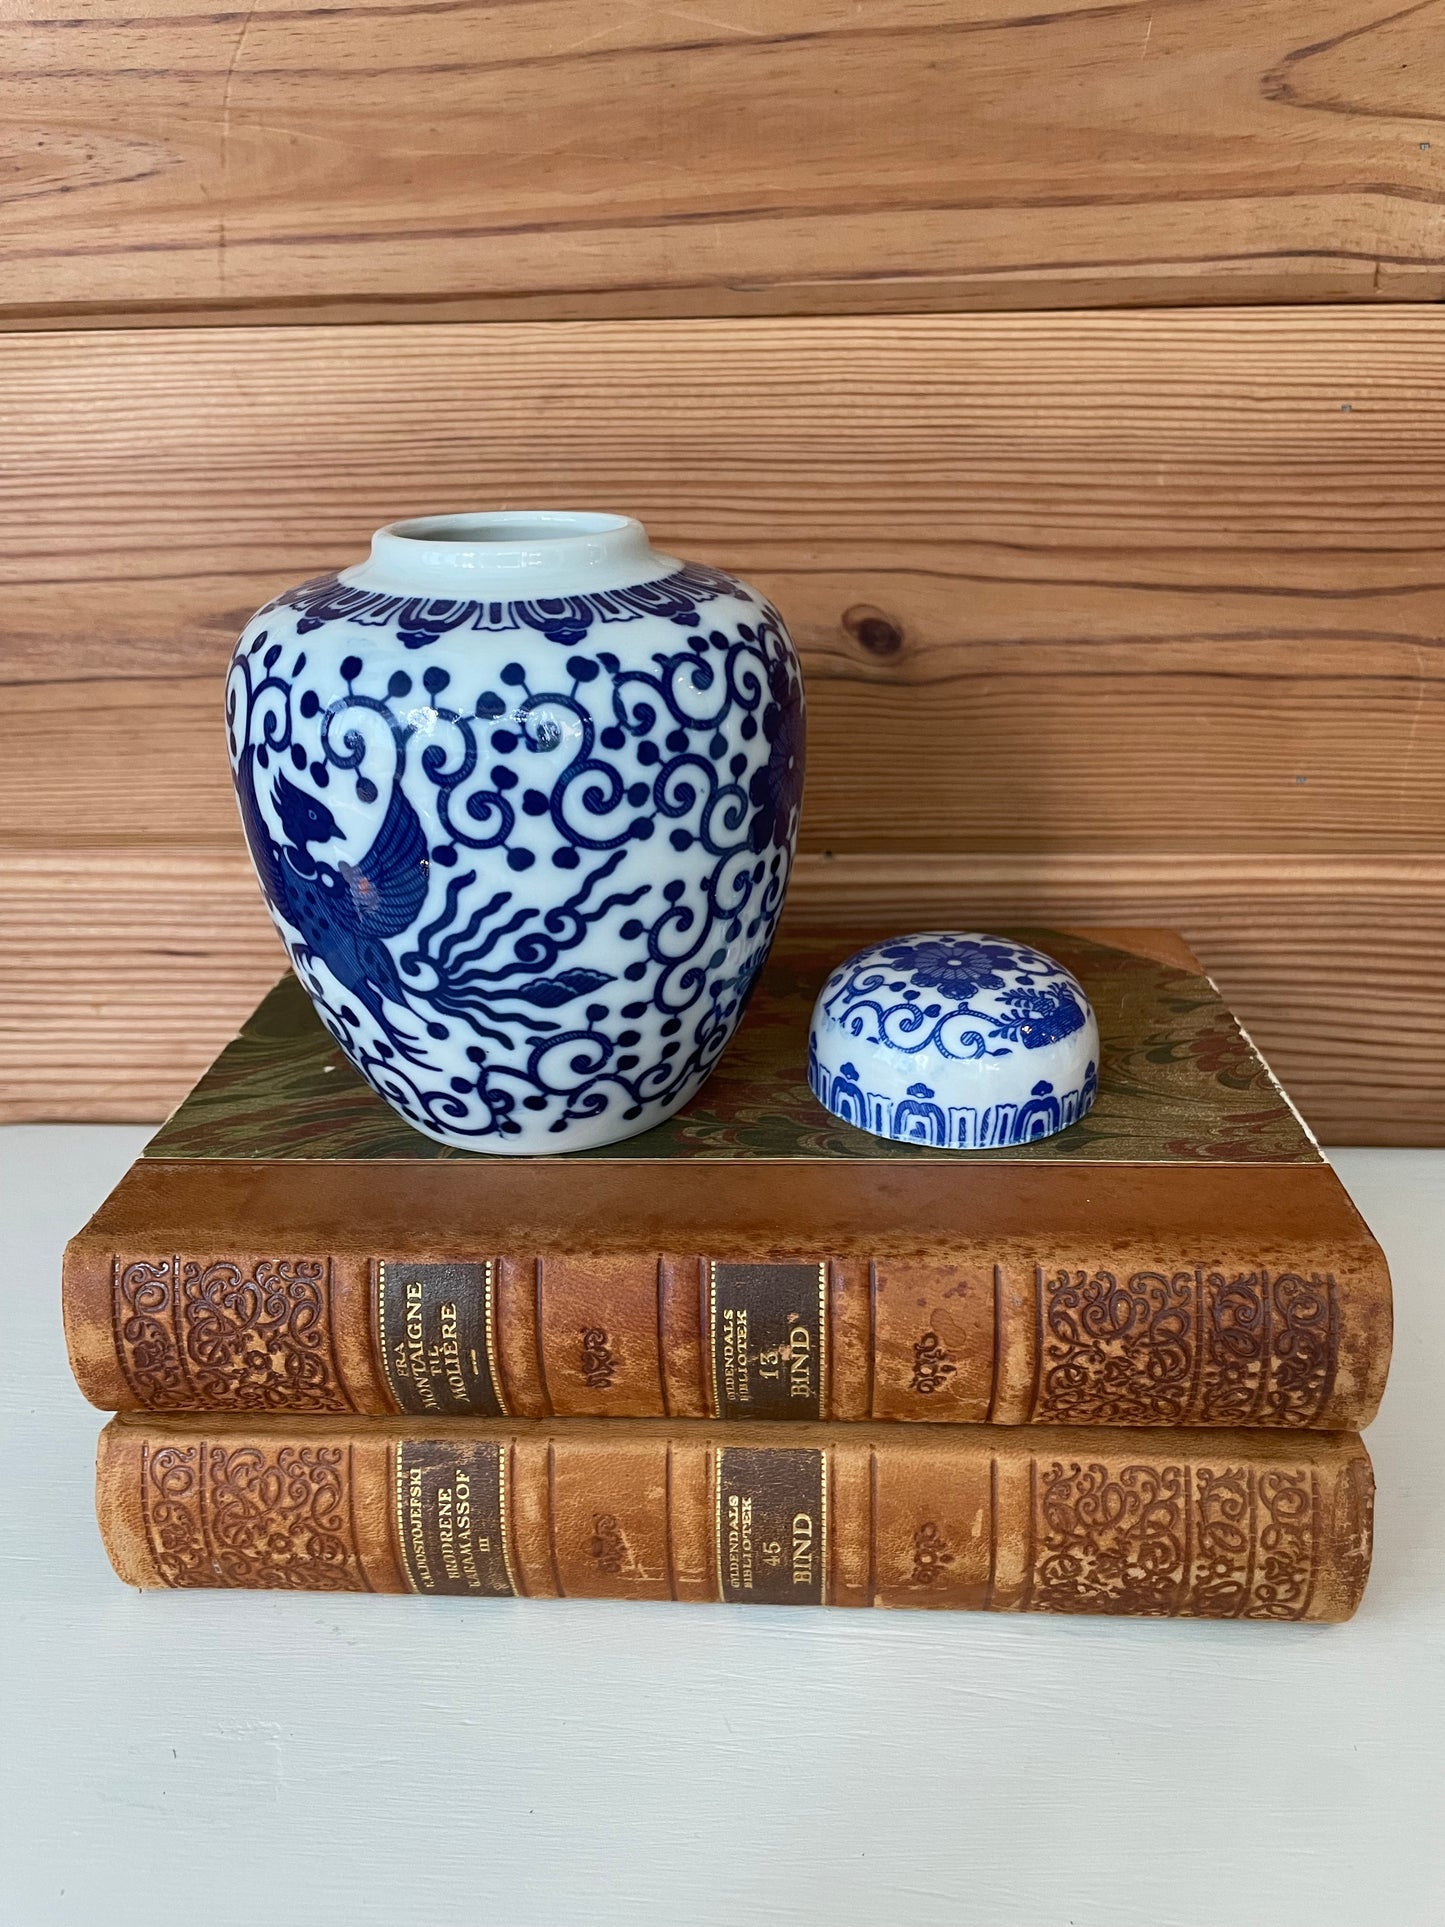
(1187, 1524)
(1108, 1336)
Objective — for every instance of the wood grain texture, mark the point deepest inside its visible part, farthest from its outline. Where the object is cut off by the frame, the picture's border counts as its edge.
(525, 158)
(1105, 618)
(1082, 581)
(124, 971)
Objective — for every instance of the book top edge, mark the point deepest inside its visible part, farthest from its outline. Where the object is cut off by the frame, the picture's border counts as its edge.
(1180, 1082)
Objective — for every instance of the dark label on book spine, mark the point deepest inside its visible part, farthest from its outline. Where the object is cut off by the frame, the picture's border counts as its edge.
(768, 1326)
(436, 1332)
(772, 1526)
(451, 1518)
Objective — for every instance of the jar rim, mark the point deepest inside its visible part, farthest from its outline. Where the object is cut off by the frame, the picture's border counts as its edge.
(511, 553)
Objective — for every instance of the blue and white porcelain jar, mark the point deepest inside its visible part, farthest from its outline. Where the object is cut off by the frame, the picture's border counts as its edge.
(954, 1039)
(522, 795)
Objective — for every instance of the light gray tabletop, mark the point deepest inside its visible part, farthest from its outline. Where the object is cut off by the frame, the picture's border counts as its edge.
(233, 1759)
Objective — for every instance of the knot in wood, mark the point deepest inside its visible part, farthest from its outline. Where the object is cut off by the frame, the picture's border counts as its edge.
(880, 635)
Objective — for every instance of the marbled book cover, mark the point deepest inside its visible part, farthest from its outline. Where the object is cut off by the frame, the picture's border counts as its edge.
(1180, 1083)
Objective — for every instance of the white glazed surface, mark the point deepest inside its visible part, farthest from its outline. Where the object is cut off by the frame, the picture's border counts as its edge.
(522, 794)
(954, 1039)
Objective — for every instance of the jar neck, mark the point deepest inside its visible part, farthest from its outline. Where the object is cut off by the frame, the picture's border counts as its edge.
(510, 555)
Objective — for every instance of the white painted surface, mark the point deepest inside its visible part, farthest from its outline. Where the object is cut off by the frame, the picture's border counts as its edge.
(232, 1759)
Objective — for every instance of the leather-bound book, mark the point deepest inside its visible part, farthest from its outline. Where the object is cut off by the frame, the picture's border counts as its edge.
(1189, 1524)
(1182, 1256)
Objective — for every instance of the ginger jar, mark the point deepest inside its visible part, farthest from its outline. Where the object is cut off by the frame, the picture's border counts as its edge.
(522, 794)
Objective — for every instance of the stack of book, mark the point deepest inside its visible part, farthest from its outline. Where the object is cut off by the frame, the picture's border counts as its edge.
(755, 1355)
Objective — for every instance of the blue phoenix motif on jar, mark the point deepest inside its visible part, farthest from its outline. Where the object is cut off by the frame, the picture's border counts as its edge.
(909, 1010)
(527, 879)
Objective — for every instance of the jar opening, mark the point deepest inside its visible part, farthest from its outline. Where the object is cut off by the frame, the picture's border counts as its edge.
(509, 525)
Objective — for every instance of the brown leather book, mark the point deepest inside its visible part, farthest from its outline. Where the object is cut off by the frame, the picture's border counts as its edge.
(1194, 1524)
(1182, 1256)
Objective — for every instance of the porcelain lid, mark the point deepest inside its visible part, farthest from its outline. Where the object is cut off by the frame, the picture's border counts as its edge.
(954, 1039)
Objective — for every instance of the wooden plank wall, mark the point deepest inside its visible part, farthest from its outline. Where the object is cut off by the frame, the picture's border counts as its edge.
(1106, 615)
(553, 157)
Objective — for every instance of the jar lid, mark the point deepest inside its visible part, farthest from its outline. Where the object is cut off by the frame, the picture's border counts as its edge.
(954, 1039)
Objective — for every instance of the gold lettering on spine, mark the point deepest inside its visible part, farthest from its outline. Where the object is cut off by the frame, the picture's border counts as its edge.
(451, 1517)
(803, 1549)
(435, 1333)
(770, 1525)
(466, 1555)
(736, 1388)
(417, 1362)
(410, 1537)
(767, 1338)
(740, 1543)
